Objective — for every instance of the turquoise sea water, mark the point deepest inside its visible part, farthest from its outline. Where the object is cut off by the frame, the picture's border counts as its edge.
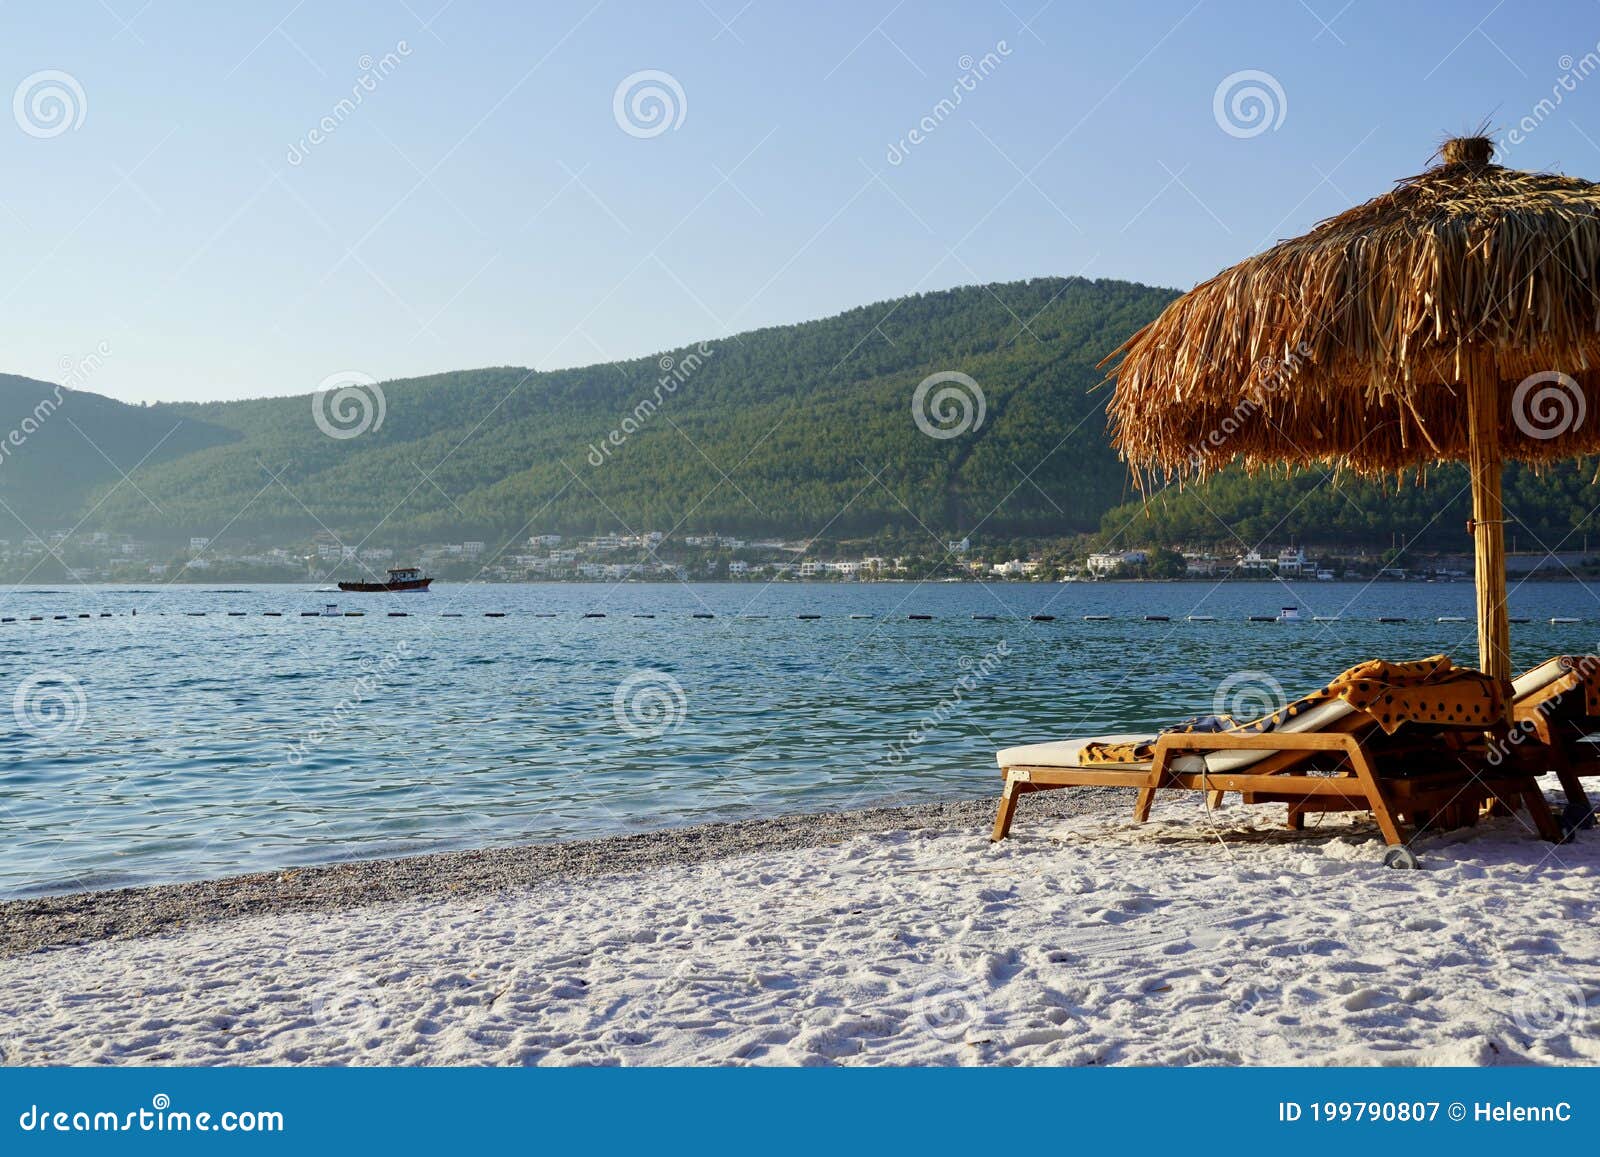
(169, 745)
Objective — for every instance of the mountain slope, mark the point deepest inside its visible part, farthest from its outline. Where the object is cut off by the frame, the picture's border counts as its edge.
(61, 449)
(783, 430)
(793, 430)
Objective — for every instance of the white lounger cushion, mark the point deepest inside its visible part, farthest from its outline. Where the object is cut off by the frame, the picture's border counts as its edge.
(1065, 752)
(1537, 679)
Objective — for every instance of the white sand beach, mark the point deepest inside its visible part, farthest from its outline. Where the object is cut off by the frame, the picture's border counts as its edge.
(1082, 940)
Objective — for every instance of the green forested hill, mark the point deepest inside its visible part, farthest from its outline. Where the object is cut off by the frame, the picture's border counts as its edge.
(61, 449)
(784, 430)
(793, 430)
(1552, 511)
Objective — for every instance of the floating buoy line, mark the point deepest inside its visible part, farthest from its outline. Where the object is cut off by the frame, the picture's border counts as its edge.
(332, 611)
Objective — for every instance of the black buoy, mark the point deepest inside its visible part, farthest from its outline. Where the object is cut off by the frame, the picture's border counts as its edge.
(808, 616)
(399, 614)
(1043, 618)
(310, 615)
(703, 615)
(494, 614)
(355, 614)
(919, 617)
(273, 614)
(643, 616)
(1158, 618)
(451, 615)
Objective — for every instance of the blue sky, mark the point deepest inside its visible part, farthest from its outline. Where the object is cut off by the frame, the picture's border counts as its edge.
(484, 205)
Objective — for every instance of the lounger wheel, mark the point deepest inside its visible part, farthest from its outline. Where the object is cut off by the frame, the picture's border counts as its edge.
(1577, 817)
(1401, 858)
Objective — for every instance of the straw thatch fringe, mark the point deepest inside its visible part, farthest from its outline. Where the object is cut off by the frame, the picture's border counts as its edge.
(1348, 345)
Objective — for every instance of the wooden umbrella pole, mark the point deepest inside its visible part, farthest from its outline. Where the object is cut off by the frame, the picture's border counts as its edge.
(1488, 517)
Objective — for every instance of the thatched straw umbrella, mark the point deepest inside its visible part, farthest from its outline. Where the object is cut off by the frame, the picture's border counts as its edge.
(1454, 318)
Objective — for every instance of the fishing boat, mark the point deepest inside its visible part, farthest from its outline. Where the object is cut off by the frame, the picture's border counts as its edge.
(401, 578)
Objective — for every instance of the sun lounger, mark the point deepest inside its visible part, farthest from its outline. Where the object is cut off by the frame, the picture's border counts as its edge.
(1330, 757)
(1558, 703)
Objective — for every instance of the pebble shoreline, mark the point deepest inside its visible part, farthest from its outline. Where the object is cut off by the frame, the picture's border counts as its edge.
(38, 923)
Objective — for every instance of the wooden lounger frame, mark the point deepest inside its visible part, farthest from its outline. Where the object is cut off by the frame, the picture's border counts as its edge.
(1353, 782)
(1557, 717)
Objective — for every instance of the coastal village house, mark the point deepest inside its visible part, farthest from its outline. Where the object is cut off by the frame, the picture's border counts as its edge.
(1100, 565)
